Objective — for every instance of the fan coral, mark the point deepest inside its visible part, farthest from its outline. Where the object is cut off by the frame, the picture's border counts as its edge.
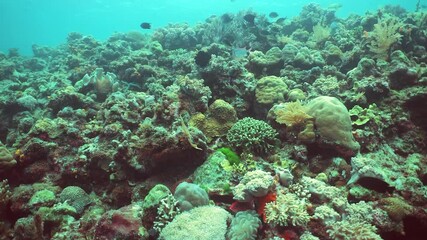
(384, 35)
(292, 114)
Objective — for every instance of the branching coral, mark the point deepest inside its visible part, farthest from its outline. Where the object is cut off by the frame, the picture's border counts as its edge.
(166, 212)
(252, 135)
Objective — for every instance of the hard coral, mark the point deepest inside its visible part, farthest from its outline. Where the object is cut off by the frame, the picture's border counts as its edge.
(270, 89)
(207, 222)
(219, 118)
(333, 123)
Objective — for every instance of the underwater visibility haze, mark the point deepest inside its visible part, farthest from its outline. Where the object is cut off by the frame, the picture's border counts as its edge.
(213, 120)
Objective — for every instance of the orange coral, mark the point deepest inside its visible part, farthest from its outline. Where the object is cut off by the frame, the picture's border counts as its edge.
(262, 202)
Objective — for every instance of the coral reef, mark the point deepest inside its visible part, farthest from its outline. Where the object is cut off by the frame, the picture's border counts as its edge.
(239, 127)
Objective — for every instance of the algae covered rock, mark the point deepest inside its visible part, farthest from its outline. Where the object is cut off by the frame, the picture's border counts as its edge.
(333, 123)
(218, 120)
(6, 158)
(211, 175)
(156, 194)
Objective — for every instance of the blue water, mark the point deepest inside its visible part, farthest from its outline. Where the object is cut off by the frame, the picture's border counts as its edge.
(47, 22)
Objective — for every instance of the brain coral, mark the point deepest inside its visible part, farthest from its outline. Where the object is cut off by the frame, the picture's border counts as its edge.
(333, 123)
(76, 197)
(270, 89)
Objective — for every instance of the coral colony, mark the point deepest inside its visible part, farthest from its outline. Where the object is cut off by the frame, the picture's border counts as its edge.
(242, 127)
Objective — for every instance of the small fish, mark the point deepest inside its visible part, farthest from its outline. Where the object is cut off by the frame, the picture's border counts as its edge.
(226, 18)
(280, 20)
(238, 53)
(145, 25)
(250, 18)
(273, 15)
(375, 184)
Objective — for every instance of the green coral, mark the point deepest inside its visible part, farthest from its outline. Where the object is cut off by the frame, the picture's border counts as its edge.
(345, 230)
(231, 156)
(42, 197)
(252, 135)
(362, 116)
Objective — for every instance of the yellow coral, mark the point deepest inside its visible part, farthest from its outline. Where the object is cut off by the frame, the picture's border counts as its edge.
(385, 34)
(396, 208)
(219, 119)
